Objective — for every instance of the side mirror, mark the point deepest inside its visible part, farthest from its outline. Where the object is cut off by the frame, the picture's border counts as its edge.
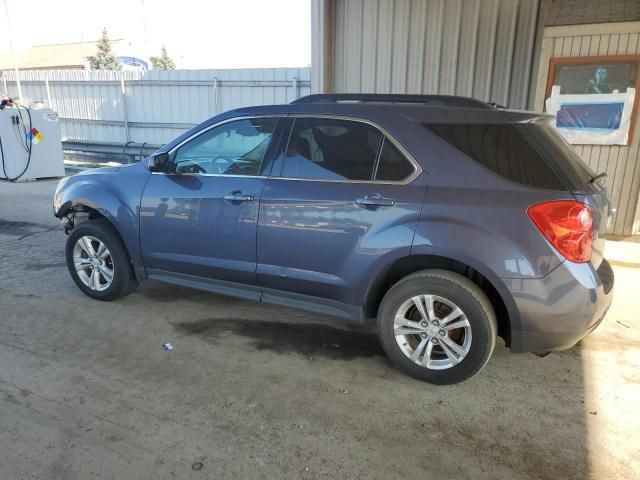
(160, 163)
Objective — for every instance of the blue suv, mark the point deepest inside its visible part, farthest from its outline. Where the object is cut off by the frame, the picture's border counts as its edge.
(445, 221)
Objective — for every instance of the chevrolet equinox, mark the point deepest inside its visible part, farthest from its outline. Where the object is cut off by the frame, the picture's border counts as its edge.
(445, 221)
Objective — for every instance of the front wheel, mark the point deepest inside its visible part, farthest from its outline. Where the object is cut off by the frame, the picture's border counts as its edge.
(437, 326)
(98, 261)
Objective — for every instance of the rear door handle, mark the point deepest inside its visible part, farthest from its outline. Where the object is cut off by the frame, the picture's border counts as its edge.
(375, 200)
(238, 197)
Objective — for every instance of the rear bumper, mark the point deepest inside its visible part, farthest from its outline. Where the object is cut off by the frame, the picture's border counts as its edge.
(560, 309)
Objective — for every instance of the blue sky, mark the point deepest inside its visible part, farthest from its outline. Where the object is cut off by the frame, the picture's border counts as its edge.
(197, 34)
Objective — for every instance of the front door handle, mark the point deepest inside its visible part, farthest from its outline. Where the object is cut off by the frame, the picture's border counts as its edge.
(238, 197)
(375, 200)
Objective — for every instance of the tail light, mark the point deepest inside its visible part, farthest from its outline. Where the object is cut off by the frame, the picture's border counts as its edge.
(568, 225)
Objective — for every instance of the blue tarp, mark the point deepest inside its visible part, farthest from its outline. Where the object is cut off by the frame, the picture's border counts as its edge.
(590, 116)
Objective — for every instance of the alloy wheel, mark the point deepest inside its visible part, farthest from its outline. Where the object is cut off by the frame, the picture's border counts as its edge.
(93, 263)
(432, 332)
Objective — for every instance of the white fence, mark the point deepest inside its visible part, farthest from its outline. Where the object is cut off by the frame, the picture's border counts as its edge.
(154, 106)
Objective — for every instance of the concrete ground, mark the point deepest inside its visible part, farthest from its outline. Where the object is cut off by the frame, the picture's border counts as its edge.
(261, 392)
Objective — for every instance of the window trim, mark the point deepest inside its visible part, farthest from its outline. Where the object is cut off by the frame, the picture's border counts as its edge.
(211, 127)
(417, 169)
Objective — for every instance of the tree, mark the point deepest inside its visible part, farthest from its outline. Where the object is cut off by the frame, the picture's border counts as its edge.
(105, 59)
(164, 61)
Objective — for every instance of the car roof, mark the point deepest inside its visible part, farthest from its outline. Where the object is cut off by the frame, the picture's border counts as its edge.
(417, 108)
(396, 99)
(382, 109)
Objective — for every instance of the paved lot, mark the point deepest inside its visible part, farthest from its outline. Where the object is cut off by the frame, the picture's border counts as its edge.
(261, 392)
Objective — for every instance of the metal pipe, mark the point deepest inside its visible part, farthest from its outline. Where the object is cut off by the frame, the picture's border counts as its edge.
(13, 51)
(216, 95)
(46, 86)
(179, 83)
(125, 114)
(120, 123)
(110, 150)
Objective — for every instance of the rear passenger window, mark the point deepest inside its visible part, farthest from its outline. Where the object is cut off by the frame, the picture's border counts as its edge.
(330, 149)
(393, 165)
(501, 148)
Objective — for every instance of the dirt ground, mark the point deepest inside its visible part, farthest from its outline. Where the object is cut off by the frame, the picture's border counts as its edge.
(249, 391)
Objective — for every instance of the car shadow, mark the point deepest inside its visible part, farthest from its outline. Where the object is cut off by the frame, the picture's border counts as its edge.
(521, 417)
(267, 327)
(306, 339)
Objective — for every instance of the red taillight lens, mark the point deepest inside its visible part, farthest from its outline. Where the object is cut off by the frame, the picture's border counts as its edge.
(568, 225)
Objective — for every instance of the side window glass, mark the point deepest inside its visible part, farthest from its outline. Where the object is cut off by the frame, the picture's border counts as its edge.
(234, 148)
(331, 149)
(501, 148)
(393, 165)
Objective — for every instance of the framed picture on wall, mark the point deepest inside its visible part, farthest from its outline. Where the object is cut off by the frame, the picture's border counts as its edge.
(594, 99)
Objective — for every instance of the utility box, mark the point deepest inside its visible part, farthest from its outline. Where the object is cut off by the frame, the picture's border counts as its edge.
(41, 135)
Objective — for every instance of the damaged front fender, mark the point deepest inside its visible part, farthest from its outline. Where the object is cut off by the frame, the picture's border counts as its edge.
(112, 193)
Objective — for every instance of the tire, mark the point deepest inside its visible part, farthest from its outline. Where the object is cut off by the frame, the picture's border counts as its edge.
(472, 328)
(116, 260)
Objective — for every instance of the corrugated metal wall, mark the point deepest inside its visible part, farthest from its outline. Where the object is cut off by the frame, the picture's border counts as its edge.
(157, 105)
(622, 163)
(476, 48)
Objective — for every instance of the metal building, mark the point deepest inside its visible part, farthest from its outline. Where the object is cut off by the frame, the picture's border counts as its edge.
(494, 50)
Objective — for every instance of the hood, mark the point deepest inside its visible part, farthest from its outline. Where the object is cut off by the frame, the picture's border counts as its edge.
(100, 170)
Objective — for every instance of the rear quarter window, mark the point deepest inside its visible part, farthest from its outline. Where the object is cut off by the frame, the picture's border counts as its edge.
(503, 149)
(577, 174)
(393, 166)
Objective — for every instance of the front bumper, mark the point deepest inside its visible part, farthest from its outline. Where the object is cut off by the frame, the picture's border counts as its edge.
(560, 309)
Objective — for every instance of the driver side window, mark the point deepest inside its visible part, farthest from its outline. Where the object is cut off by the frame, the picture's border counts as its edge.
(234, 148)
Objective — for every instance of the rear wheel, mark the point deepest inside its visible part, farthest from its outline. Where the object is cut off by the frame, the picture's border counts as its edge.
(437, 326)
(98, 261)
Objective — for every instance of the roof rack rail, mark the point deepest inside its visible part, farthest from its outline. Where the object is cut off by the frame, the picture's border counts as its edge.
(432, 100)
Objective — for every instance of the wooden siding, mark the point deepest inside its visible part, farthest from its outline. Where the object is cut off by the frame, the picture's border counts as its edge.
(622, 163)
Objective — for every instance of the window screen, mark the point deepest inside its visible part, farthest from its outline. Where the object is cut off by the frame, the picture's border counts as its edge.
(393, 165)
(331, 149)
(501, 148)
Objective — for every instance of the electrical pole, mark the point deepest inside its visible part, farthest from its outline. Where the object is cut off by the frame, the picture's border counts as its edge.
(13, 50)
